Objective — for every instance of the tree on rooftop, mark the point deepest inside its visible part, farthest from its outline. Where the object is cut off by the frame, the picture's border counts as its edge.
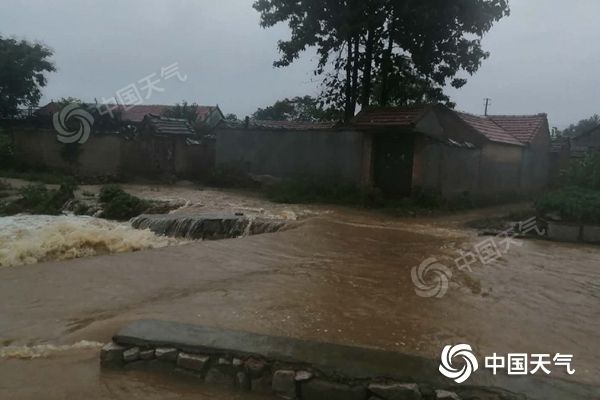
(23, 66)
(379, 46)
(183, 110)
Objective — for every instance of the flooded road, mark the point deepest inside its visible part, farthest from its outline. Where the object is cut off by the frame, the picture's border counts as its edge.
(341, 276)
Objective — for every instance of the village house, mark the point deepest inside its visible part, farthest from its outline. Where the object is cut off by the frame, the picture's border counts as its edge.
(146, 144)
(206, 116)
(399, 150)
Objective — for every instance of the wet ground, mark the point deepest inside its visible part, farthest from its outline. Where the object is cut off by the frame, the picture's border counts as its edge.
(342, 276)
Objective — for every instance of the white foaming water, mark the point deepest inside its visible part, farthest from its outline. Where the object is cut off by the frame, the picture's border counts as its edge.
(44, 350)
(28, 239)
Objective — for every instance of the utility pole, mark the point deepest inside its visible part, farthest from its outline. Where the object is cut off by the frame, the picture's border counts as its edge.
(488, 102)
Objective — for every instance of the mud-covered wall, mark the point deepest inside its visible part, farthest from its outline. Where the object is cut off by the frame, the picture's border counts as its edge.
(113, 155)
(195, 160)
(450, 171)
(39, 148)
(535, 173)
(337, 154)
(500, 169)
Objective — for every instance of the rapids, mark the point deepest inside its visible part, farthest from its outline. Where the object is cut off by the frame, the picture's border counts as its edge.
(28, 239)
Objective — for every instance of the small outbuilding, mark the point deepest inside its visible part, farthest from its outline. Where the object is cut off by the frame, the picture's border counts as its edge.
(399, 150)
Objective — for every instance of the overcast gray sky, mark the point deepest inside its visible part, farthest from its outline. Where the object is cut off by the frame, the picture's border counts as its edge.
(544, 57)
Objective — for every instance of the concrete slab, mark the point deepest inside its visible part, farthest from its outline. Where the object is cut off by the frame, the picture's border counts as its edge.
(337, 360)
(564, 232)
(591, 234)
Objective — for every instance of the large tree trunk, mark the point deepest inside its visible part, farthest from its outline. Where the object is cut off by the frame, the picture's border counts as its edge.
(366, 84)
(349, 109)
(355, 68)
(387, 67)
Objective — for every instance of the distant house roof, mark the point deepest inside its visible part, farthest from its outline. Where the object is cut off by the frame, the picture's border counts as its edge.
(134, 113)
(489, 129)
(523, 127)
(137, 113)
(518, 130)
(279, 125)
(167, 126)
(389, 117)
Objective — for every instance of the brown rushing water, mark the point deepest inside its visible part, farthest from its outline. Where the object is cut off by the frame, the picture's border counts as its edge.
(342, 277)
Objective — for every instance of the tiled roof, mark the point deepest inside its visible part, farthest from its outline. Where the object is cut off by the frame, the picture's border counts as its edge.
(168, 126)
(137, 113)
(523, 127)
(389, 117)
(280, 125)
(489, 129)
(133, 113)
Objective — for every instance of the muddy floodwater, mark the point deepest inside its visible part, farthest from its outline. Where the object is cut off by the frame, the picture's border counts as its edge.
(341, 276)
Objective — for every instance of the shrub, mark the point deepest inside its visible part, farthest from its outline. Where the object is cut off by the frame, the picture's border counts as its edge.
(584, 173)
(120, 205)
(572, 203)
(38, 199)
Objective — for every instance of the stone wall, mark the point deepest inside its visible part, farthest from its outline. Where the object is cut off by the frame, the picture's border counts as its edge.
(284, 379)
(299, 369)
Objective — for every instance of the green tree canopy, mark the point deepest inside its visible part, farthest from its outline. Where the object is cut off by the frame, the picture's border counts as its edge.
(298, 108)
(370, 49)
(23, 66)
(583, 126)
